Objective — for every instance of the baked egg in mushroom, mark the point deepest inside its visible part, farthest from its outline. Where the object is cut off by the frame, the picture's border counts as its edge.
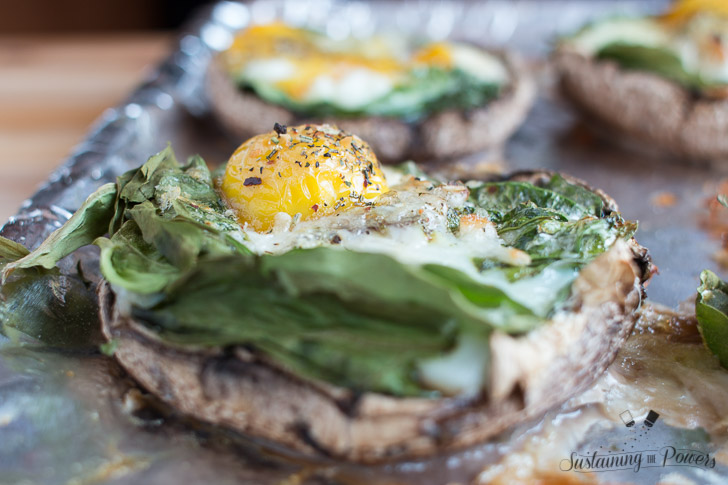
(315, 185)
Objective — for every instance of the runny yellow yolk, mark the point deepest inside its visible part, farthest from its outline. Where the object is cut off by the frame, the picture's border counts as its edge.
(311, 170)
(435, 54)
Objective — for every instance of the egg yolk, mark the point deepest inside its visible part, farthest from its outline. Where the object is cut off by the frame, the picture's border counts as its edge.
(435, 54)
(311, 170)
(684, 9)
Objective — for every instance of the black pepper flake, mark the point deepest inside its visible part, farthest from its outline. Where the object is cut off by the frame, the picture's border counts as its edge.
(261, 170)
(307, 164)
(336, 239)
(252, 181)
(279, 175)
(280, 129)
(299, 164)
(317, 165)
(327, 155)
(251, 169)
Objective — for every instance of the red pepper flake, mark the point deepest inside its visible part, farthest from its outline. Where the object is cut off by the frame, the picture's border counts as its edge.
(252, 181)
(315, 207)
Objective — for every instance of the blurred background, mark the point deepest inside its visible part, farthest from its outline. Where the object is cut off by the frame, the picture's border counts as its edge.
(63, 16)
(62, 63)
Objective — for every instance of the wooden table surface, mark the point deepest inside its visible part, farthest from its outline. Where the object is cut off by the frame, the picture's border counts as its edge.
(51, 91)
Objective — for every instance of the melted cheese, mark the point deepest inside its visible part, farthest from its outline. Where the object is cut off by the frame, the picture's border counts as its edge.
(409, 223)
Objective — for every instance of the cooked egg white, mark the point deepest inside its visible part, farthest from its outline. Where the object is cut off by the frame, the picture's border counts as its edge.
(635, 31)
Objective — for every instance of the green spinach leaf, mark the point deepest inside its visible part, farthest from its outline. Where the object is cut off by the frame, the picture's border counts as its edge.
(658, 60)
(711, 309)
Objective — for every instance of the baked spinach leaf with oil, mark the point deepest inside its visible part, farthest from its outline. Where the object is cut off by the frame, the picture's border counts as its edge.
(555, 221)
(39, 305)
(561, 225)
(711, 310)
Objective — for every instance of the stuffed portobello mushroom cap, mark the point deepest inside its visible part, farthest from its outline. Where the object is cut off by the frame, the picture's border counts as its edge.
(240, 389)
(657, 83)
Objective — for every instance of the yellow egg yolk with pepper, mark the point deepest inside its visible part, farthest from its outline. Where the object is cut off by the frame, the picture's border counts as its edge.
(306, 172)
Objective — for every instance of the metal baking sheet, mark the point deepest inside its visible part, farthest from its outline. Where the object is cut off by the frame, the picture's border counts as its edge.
(67, 416)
